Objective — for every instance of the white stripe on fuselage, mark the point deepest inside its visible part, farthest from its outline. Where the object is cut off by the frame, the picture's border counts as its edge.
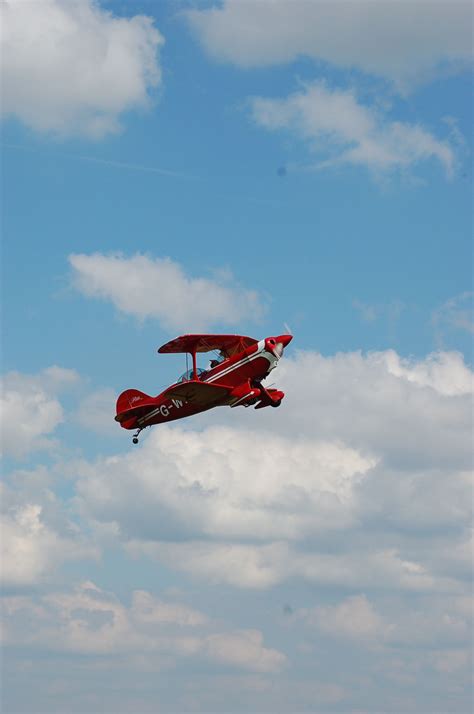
(232, 367)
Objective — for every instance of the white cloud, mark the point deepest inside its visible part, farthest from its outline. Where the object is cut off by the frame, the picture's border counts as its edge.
(39, 531)
(263, 566)
(412, 500)
(354, 618)
(244, 649)
(435, 622)
(359, 483)
(416, 413)
(397, 40)
(91, 621)
(291, 489)
(32, 549)
(148, 609)
(159, 288)
(432, 622)
(71, 68)
(445, 372)
(240, 565)
(30, 409)
(367, 455)
(340, 130)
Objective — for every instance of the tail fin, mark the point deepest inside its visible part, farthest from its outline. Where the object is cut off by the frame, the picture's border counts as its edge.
(132, 404)
(131, 398)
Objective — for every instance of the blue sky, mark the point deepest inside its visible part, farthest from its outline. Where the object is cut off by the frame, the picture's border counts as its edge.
(238, 167)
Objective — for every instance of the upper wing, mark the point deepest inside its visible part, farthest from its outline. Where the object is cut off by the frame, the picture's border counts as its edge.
(199, 394)
(229, 344)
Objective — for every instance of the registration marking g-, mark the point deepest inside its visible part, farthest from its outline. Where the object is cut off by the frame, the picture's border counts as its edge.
(165, 410)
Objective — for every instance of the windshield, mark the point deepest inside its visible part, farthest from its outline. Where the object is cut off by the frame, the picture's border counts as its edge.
(190, 375)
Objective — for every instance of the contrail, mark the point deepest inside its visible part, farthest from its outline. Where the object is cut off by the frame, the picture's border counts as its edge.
(132, 167)
(105, 162)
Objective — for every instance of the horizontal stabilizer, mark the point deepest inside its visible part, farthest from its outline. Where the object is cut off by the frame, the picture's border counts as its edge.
(270, 398)
(135, 412)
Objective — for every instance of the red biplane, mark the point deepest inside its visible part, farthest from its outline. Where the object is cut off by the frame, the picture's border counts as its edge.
(233, 379)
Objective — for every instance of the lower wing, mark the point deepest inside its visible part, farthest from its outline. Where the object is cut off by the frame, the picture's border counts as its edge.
(199, 394)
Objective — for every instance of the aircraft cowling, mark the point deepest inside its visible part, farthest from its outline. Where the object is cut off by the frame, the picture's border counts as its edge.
(276, 345)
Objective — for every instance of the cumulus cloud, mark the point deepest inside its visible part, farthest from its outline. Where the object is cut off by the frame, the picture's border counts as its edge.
(263, 566)
(148, 609)
(179, 476)
(397, 40)
(414, 412)
(159, 288)
(245, 649)
(72, 68)
(352, 502)
(436, 624)
(30, 409)
(354, 618)
(32, 548)
(91, 621)
(445, 372)
(340, 130)
(253, 507)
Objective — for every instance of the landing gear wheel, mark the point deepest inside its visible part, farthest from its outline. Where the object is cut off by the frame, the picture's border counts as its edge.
(276, 404)
(135, 440)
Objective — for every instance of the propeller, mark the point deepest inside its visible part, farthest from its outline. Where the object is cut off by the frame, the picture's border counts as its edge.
(281, 342)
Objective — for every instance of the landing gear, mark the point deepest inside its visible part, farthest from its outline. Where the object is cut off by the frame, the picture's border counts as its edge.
(135, 437)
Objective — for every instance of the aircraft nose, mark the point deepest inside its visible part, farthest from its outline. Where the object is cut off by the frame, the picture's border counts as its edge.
(284, 339)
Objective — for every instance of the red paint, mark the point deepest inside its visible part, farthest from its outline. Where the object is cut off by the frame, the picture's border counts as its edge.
(234, 381)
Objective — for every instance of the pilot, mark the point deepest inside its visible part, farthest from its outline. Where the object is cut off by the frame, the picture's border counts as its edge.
(215, 362)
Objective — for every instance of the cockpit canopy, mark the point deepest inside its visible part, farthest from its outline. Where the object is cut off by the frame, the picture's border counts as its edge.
(189, 374)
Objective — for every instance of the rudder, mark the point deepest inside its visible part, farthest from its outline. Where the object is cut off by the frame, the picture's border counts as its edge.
(130, 399)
